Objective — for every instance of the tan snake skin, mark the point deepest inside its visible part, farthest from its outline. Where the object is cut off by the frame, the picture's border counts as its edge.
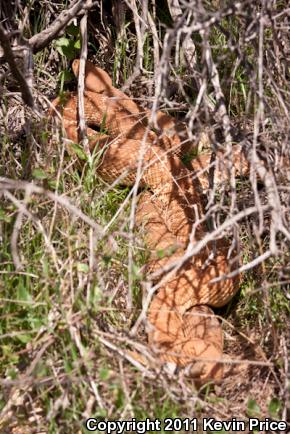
(182, 328)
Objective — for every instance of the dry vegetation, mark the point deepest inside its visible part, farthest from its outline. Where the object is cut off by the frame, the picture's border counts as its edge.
(67, 260)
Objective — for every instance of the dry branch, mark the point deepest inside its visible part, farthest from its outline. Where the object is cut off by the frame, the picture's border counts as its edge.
(25, 90)
(42, 39)
(81, 84)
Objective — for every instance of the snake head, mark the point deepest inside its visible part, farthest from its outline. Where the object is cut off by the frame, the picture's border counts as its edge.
(96, 79)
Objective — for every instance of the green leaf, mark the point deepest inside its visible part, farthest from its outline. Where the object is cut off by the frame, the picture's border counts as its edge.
(12, 373)
(8, 351)
(69, 52)
(4, 217)
(52, 183)
(46, 267)
(107, 259)
(135, 271)
(72, 30)
(66, 76)
(66, 48)
(62, 42)
(274, 407)
(253, 409)
(35, 322)
(96, 296)
(101, 413)
(83, 268)
(167, 252)
(25, 338)
(104, 374)
(79, 151)
(160, 253)
(39, 174)
(23, 294)
(77, 44)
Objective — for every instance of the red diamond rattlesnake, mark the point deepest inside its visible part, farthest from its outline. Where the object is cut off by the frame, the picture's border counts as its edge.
(181, 326)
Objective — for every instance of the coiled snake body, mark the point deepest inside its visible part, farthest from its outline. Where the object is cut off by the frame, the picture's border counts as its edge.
(181, 326)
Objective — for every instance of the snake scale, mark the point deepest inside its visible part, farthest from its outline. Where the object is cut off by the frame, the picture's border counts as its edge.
(182, 328)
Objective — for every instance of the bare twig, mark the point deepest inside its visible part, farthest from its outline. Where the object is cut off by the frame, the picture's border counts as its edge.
(81, 84)
(42, 39)
(139, 26)
(25, 89)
